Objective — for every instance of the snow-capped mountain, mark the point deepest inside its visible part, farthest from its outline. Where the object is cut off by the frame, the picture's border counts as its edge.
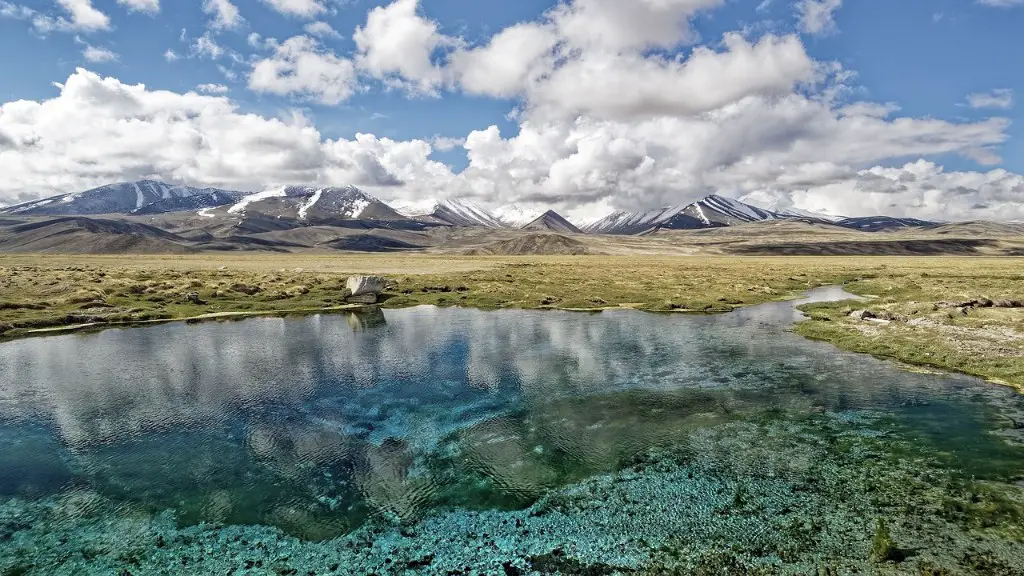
(515, 216)
(452, 211)
(186, 203)
(315, 204)
(121, 198)
(710, 212)
(552, 221)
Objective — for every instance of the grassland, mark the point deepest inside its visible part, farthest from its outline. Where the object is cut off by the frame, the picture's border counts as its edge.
(41, 292)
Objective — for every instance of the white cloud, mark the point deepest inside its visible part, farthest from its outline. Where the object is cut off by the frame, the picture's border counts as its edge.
(151, 6)
(16, 11)
(609, 117)
(212, 88)
(508, 63)
(96, 54)
(84, 17)
(396, 46)
(171, 55)
(817, 17)
(321, 29)
(300, 8)
(447, 143)
(630, 85)
(1000, 3)
(920, 189)
(99, 130)
(1002, 99)
(225, 14)
(206, 46)
(302, 68)
(636, 25)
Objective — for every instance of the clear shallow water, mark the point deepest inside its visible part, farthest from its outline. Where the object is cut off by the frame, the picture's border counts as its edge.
(412, 431)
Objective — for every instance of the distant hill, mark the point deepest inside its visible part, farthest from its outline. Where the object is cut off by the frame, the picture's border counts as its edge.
(534, 244)
(81, 235)
(552, 221)
(882, 223)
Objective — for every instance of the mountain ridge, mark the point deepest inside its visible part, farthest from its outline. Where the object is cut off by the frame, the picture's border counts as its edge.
(324, 205)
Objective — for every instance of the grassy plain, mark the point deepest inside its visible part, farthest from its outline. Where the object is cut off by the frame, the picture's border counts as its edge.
(47, 291)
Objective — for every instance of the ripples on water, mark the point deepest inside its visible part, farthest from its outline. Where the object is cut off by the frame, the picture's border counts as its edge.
(316, 425)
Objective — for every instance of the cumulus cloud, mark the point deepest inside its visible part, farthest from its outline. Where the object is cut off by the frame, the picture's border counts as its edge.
(98, 130)
(921, 189)
(302, 68)
(396, 46)
(150, 6)
(609, 117)
(299, 8)
(614, 25)
(321, 29)
(1002, 99)
(509, 63)
(79, 16)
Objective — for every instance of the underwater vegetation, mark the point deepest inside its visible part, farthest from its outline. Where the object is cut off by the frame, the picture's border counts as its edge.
(769, 495)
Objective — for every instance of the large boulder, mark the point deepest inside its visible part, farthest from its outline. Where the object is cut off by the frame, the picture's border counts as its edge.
(862, 315)
(360, 285)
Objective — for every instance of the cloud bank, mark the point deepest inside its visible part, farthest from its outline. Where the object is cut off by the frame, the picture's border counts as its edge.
(617, 108)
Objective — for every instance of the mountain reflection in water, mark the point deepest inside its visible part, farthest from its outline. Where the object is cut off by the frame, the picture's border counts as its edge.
(312, 424)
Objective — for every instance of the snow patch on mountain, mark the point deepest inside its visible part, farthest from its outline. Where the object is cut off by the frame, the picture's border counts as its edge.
(516, 216)
(239, 208)
(304, 209)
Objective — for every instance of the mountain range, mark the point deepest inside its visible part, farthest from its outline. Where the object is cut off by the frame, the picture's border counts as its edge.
(346, 206)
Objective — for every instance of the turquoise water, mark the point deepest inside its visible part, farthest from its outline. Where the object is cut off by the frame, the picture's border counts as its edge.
(510, 442)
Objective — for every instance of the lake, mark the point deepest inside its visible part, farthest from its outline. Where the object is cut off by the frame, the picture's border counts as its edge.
(444, 441)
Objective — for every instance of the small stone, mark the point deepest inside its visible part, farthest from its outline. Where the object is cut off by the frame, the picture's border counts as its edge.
(862, 315)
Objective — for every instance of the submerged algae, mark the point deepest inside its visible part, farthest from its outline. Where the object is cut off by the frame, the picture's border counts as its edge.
(767, 496)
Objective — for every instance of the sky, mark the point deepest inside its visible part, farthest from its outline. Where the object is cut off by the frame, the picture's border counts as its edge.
(905, 108)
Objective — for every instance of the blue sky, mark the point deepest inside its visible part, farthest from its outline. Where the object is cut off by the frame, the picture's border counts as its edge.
(925, 58)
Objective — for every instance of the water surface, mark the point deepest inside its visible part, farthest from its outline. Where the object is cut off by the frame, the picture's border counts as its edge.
(407, 428)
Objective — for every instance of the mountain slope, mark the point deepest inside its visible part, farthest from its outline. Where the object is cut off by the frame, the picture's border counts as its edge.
(515, 216)
(313, 204)
(122, 198)
(806, 215)
(882, 223)
(552, 221)
(709, 212)
(82, 235)
(197, 202)
(452, 211)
